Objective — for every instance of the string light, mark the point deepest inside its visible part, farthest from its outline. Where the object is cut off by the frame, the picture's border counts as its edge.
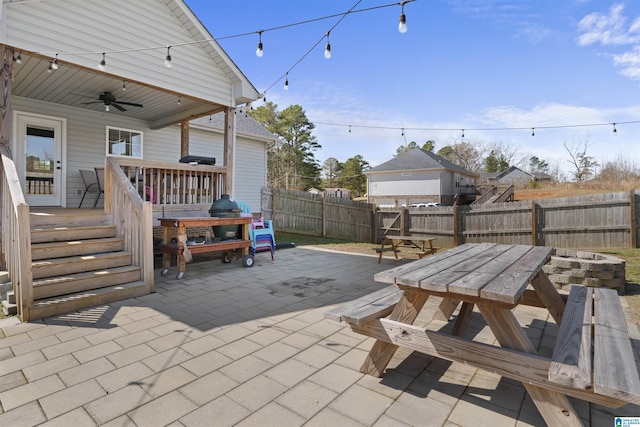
(124, 86)
(327, 48)
(402, 25)
(349, 126)
(286, 82)
(18, 59)
(179, 100)
(533, 133)
(259, 49)
(50, 69)
(103, 64)
(167, 59)
(55, 65)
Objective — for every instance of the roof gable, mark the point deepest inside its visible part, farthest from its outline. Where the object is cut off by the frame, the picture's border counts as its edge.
(134, 36)
(415, 159)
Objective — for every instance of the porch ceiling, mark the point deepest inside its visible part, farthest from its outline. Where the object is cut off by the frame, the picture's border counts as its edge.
(74, 86)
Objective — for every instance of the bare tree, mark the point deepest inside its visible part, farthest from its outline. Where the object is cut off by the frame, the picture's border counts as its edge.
(469, 155)
(621, 169)
(583, 164)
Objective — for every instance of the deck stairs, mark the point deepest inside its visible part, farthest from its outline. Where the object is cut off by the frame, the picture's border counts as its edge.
(78, 262)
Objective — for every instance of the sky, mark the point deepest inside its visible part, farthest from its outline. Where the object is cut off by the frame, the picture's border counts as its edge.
(565, 71)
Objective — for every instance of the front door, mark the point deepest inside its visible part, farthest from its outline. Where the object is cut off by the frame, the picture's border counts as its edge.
(38, 155)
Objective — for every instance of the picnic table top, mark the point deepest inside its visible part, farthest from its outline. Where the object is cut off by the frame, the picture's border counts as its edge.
(488, 271)
(410, 238)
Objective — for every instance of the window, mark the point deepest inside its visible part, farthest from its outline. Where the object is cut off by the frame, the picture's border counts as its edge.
(124, 142)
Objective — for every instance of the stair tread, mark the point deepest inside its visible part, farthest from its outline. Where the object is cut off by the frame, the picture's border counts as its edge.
(70, 227)
(75, 242)
(85, 274)
(80, 258)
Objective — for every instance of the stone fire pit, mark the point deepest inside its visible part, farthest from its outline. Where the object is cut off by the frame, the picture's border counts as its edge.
(569, 267)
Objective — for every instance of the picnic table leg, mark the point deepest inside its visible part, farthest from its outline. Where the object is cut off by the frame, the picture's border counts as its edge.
(464, 316)
(549, 296)
(166, 256)
(554, 407)
(406, 311)
(446, 309)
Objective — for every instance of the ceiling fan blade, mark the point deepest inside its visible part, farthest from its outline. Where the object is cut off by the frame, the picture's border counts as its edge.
(130, 103)
(92, 102)
(113, 104)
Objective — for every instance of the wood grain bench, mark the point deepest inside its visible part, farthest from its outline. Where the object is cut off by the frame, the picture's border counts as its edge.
(372, 306)
(593, 350)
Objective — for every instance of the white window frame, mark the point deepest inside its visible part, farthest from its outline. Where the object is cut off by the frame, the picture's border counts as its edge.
(132, 131)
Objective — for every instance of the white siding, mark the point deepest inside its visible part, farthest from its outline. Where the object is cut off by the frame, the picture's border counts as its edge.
(407, 184)
(86, 147)
(250, 172)
(115, 25)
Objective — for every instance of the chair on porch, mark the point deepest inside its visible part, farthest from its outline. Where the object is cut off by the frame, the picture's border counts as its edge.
(91, 184)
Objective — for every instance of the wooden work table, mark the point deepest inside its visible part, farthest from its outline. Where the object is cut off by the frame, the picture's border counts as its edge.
(230, 245)
(495, 279)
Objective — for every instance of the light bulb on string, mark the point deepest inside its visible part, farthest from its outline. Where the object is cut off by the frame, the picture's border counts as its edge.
(286, 82)
(402, 24)
(179, 100)
(259, 49)
(55, 65)
(124, 86)
(18, 59)
(349, 128)
(533, 133)
(463, 133)
(50, 69)
(167, 59)
(103, 64)
(327, 48)
(614, 128)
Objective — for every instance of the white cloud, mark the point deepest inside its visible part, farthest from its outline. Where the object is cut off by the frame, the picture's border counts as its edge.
(607, 29)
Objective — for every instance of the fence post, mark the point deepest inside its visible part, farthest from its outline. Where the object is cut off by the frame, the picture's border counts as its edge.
(374, 224)
(456, 226)
(324, 216)
(403, 222)
(633, 219)
(273, 204)
(534, 225)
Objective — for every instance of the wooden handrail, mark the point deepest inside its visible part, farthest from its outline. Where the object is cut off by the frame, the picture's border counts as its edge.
(173, 183)
(16, 237)
(132, 217)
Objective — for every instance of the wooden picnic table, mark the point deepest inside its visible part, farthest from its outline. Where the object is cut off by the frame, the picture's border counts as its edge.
(593, 363)
(423, 244)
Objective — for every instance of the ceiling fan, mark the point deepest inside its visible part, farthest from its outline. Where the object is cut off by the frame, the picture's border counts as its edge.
(109, 100)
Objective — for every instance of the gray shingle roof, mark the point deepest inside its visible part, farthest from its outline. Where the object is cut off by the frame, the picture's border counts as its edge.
(419, 159)
(244, 125)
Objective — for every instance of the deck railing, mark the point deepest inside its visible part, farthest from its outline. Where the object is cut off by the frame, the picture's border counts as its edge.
(16, 237)
(169, 183)
(132, 217)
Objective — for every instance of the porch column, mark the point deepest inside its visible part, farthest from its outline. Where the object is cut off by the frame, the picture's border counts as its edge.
(229, 147)
(184, 138)
(6, 113)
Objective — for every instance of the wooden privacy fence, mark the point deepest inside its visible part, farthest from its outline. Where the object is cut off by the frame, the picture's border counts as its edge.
(596, 221)
(311, 214)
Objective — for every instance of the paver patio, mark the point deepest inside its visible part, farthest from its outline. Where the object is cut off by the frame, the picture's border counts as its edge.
(229, 346)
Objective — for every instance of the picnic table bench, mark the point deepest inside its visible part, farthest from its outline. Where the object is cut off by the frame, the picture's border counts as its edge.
(593, 358)
(424, 245)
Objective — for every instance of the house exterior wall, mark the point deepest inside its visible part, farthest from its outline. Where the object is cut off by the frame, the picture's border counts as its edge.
(86, 147)
(408, 183)
(99, 26)
(514, 177)
(250, 163)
